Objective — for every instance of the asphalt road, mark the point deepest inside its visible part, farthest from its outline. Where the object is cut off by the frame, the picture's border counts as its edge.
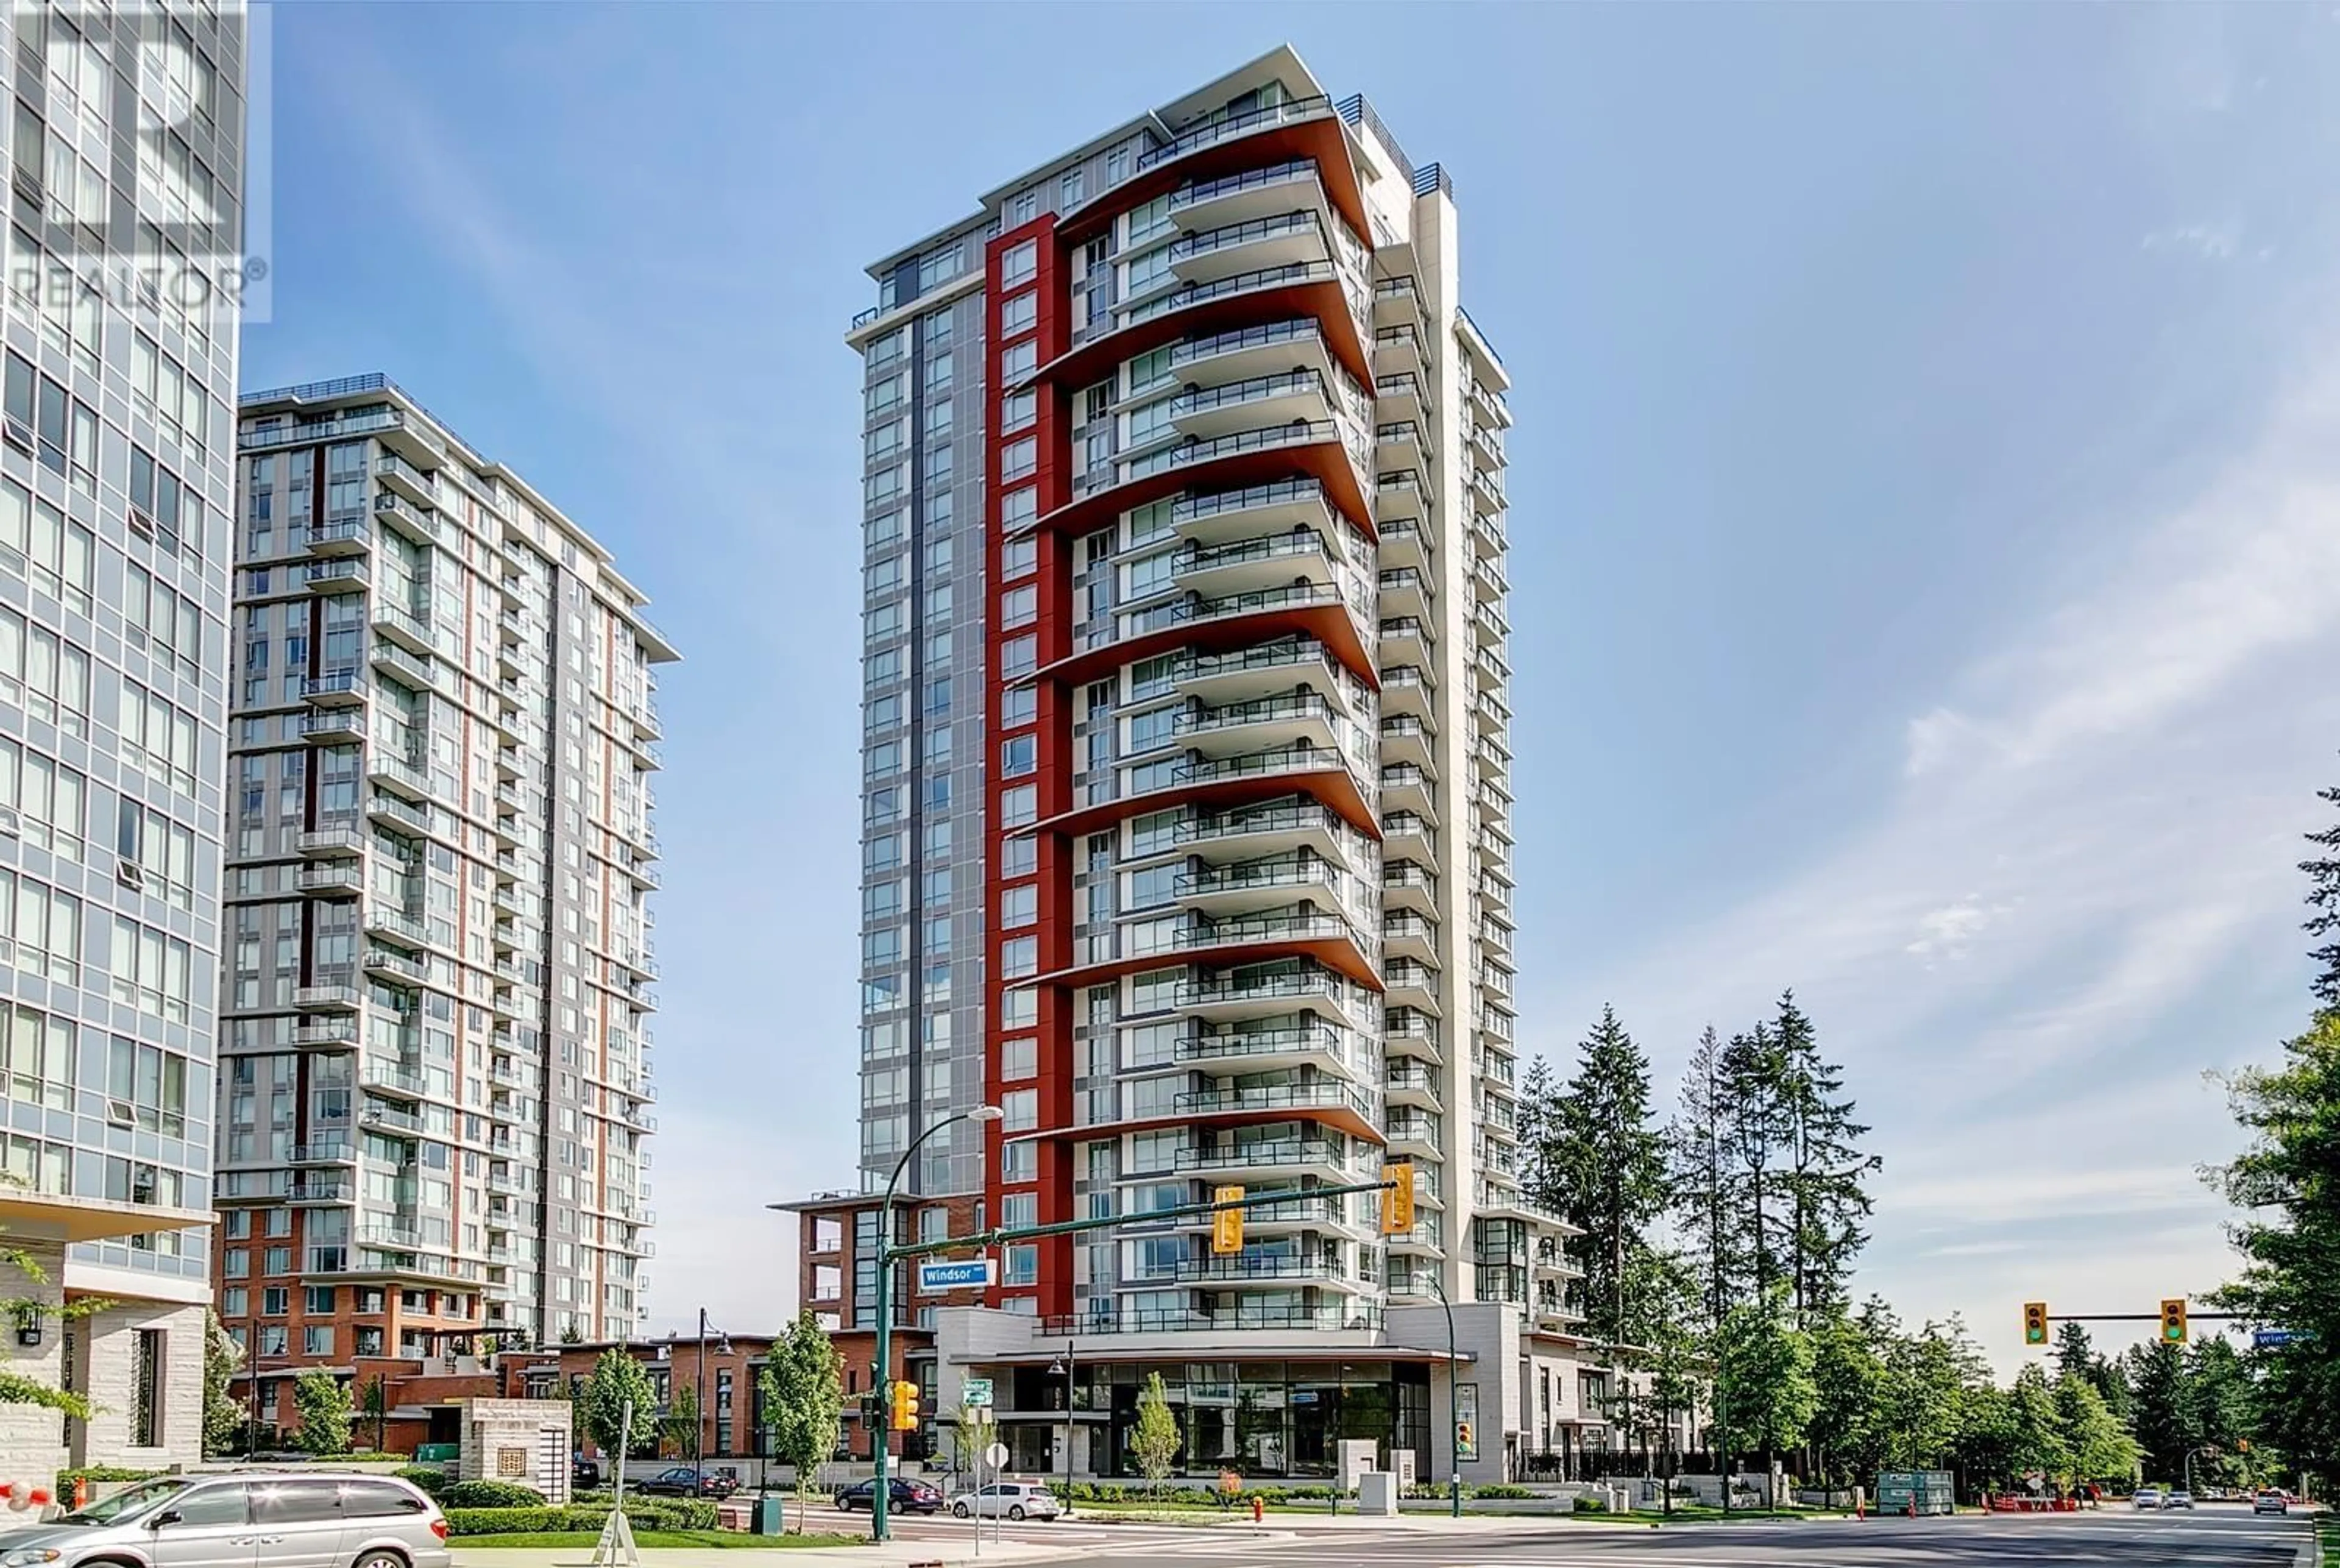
(2207, 1539)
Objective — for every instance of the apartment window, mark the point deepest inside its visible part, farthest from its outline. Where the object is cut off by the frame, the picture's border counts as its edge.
(1019, 458)
(1019, 314)
(1019, 655)
(1019, 1162)
(275, 1301)
(883, 394)
(1017, 410)
(1018, 506)
(1019, 957)
(279, 1260)
(1019, 856)
(1018, 906)
(1145, 222)
(1019, 806)
(1019, 606)
(1019, 755)
(1018, 360)
(1021, 263)
(318, 1299)
(146, 1362)
(1019, 1210)
(234, 1301)
(1019, 1009)
(317, 1339)
(1020, 1110)
(1018, 705)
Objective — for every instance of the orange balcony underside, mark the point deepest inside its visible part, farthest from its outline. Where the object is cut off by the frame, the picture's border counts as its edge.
(1321, 299)
(1328, 623)
(1323, 139)
(1331, 785)
(1326, 461)
(1346, 1117)
(1332, 952)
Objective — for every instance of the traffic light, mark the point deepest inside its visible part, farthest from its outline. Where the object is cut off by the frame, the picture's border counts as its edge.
(1397, 1201)
(2035, 1322)
(1226, 1224)
(2173, 1321)
(1466, 1444)
(906, 1407)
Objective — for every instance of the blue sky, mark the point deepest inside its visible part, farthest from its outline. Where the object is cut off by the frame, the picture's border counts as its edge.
(1925, 539)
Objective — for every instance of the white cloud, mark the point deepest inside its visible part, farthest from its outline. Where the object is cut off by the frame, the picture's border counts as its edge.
(2211, 241)
(1948, 932)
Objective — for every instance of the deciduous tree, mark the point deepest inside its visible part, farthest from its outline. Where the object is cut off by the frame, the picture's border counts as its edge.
(322, 1401)
(804, 1394)
(1154, 1441)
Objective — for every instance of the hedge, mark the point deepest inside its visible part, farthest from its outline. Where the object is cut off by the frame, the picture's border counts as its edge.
(432, 1480)
(65, 1478)
(488, 1493)
(664, 1514)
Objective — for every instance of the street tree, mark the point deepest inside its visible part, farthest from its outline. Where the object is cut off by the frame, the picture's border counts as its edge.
(1610, 1161)
(374, 1400)
(2161, 1410)
(2099, 1446)
(1848, 1381)
(679, 1429)
(1154, 1442)
(803, 1387)
(2036, 1428)
(2286, 1188)
(616, 1383)
(224, 1416)
(323, 1401)
(1763, 1394)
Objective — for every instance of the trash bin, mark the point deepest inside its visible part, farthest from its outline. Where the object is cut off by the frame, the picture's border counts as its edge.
(771, 1516)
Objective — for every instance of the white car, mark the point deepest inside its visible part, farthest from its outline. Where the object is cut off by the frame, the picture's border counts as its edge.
(1015, 1499)
(2147, 1497)
(2178, 1497)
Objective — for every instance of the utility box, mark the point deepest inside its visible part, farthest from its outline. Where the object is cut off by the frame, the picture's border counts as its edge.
(1377, 1495)
(771, 1516)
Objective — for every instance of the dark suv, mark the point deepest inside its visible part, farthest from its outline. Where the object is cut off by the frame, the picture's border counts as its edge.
(682, 1480)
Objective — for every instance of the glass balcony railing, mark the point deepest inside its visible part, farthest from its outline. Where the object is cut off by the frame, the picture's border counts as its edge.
(1220, 129)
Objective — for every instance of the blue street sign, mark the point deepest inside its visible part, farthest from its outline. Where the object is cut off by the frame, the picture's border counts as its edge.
(955, 1275)
(2268, 1338)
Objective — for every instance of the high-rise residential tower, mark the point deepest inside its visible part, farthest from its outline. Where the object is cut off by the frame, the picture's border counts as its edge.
(437, 989)
(1188, 820)
(126, 179)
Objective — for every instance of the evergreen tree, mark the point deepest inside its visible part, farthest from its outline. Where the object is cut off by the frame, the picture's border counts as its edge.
(2163, 1413)
(1698, 1158)
(1755, 1107)
(2323, 870)
(2075, 1355)
(2286, 1185)
(1611, 1162)
(1536, 1120)
(1827, 1197)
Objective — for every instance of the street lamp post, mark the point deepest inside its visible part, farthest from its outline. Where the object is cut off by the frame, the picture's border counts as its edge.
(880, 1492)
(698, 1424)
(1454, 1402)
(1065, 1363)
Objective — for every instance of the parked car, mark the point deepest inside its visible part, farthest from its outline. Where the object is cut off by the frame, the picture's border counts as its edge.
(312, 1520)
(682, 1480)
(585, 1473)
(901, 1496)
(2178, 1497)
(1015, 1499)
(2147, 1497)
(2270, 1502)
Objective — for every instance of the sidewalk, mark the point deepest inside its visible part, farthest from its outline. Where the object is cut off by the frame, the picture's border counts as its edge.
(892, 1554)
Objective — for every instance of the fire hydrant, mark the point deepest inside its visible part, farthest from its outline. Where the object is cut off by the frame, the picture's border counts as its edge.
(1258, 1509)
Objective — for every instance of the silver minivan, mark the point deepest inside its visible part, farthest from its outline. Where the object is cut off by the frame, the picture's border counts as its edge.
(247, 1521)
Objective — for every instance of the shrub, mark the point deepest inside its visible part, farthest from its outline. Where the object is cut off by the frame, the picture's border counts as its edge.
(65, 1478)
(1501, 1492)
(661, 1513)
(430, 1478)
(490, 1494)
(1590, 1506)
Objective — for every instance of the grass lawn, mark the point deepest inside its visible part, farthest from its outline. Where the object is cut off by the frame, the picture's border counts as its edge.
(737, 1539)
